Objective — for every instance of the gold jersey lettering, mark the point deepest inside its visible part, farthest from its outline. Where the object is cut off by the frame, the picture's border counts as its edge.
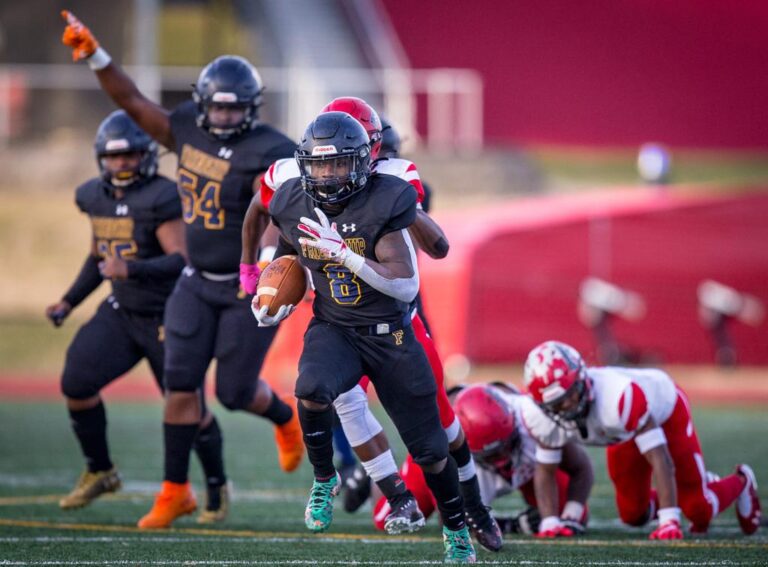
(203, 164)
(110, 228)
(357, 245)
(312, 253)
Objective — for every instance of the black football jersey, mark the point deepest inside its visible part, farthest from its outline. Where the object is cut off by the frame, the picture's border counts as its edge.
(215, 180)
(126, 228)
(386, 204)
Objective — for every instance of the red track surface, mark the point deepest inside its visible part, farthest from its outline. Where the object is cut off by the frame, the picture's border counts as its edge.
(704, 385)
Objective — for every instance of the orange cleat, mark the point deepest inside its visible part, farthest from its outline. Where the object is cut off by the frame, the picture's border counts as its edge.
(290, 440)
(173, 500)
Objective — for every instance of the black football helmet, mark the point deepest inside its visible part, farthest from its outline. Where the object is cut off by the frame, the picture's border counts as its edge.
(119, 134)
(390, 140)
(228, 80)
(334, 158)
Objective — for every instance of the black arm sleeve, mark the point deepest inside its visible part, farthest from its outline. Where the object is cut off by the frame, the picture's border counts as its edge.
(87, 280)
(168, 266)
(284, 248)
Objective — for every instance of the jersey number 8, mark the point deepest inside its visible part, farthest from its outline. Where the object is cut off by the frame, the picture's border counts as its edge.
(345, 289)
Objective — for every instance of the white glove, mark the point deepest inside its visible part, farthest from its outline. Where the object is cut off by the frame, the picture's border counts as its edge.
(326, 238)
(266, 320)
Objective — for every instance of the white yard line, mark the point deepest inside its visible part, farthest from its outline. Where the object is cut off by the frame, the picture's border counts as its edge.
(185, 563)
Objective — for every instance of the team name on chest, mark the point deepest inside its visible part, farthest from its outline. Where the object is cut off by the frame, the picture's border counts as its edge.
(356, 244)
(204, 164)
(111, 228)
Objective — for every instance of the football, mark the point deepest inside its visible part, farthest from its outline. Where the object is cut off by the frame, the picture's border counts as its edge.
(283, 282)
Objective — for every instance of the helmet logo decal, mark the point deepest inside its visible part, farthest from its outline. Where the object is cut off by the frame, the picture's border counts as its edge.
(549, 363)
(324, 150)
(117, 145)
(552, 392)
(224, 97)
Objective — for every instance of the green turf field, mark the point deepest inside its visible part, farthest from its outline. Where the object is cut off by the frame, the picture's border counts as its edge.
(40, 461)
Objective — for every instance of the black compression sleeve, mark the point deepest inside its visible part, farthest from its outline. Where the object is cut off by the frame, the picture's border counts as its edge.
(168, 266)
(284, 248)
(87, 280)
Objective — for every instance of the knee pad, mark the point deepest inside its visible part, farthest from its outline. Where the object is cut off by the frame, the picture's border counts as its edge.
(313, 390)
(77, 381)
(429, 449)
(635, 518)
(356, 419)
(233, 398)
(78, 386)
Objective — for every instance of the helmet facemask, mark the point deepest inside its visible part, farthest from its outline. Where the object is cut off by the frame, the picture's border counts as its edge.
(331, 179)
(228, 81)
(583, 394)
(119, 135)
(123, 176)
(225, 132)
(498, 456)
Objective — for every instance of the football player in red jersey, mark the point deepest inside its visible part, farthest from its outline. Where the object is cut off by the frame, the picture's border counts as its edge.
(644, 420)
(490, 415)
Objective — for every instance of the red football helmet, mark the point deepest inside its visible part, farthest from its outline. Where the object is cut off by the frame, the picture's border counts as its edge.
(364, 114)
(552, 371)
(488, 423)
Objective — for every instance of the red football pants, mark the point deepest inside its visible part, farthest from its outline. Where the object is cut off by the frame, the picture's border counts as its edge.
(631, 475)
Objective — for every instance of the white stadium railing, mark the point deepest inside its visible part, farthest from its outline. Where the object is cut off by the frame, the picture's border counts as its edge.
(452, 98)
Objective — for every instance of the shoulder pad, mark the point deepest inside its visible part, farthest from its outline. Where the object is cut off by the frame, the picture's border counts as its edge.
(632, 407)
(404, 169)
(541, 427)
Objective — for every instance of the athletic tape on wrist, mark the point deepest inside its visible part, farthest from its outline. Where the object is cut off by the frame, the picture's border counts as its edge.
(548, 456)
(354, 261)
(267, 254)
(650, 439)
(549, 523)
(99, 59)
(667, 514)
(573, 511)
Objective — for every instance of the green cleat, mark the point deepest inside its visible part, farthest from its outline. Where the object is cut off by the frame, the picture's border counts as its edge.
(458, 546)
(319, 513)
(90, 486)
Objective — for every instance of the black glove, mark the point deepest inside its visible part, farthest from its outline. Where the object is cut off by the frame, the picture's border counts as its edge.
(526, 522)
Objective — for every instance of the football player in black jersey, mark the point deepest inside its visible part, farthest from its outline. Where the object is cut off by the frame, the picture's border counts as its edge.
(138, 244)
(364, 282)
(222, 149)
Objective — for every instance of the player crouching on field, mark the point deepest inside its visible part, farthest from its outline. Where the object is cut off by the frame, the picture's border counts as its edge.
(490, 415)
(644, 420)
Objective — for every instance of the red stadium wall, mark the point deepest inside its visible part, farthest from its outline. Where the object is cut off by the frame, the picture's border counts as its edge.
(603, 72)
(513, 274)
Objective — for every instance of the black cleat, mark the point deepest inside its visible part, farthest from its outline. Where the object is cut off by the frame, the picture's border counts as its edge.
(405, 516)
(357, 489)
(484, 528)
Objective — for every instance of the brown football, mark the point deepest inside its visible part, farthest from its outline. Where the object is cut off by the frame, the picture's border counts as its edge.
(282, 282)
